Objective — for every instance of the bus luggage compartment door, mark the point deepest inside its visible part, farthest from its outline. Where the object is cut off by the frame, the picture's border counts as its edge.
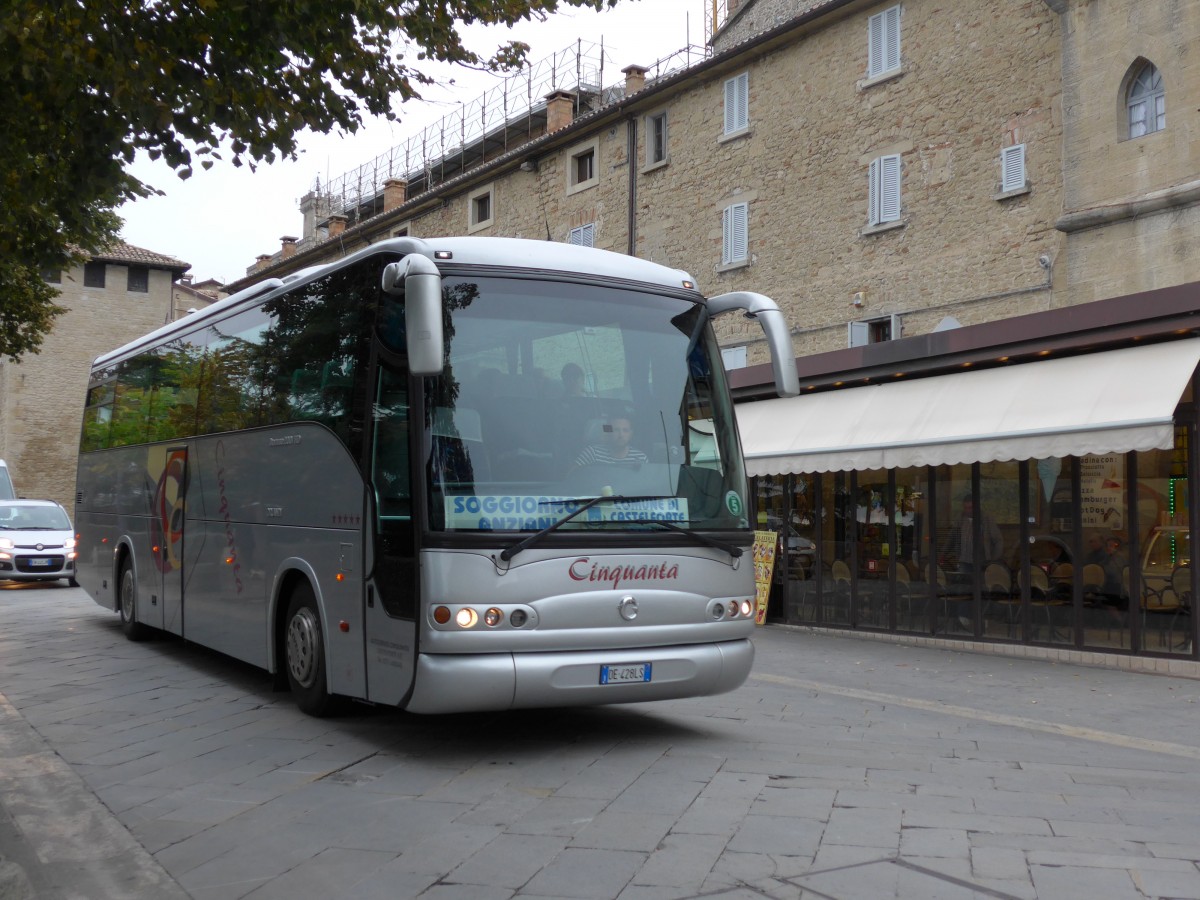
(166, 539)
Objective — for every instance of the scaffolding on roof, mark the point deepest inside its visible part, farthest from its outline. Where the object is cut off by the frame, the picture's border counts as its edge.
(501, 119)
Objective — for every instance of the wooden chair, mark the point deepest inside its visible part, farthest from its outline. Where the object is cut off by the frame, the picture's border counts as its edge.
(1062, 571)
(998, 588)
(905, 591)
(1167, 602)
(840, 595)
(1041, 597)
(1039, 583)
(1093, 579)
(997, 581)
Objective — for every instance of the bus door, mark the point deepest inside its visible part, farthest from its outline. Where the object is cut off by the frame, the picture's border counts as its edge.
(391, 564)
(170, 497)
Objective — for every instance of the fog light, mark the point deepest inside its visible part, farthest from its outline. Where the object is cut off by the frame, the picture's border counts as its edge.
(441, 615)
(466, 617)
(493, 617)
(518, 617)
(746, 607)
(718, 611)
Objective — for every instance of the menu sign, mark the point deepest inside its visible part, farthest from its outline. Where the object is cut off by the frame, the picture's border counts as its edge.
(1100, 491)
(764, 568)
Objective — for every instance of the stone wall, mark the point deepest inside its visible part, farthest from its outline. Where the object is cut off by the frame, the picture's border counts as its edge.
(752, 17)
(975, 76)
(1131, 206)
(42, 396)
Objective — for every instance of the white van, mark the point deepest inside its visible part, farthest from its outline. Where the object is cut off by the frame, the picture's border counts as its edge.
(6, 485)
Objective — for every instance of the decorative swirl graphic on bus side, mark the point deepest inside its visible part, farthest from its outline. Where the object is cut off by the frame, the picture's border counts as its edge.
(231, 558)
(166, 525)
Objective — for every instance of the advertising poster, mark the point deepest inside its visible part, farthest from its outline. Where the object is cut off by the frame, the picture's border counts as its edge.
(764, 567)
(1100, 486)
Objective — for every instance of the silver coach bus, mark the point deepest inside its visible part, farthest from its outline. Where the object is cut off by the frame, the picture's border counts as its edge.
(371, 479)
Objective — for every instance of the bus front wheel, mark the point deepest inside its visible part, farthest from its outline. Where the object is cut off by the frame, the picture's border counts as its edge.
(305, 654)
(133, 629)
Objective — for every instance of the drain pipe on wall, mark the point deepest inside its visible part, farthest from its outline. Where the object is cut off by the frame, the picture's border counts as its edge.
(631, 223)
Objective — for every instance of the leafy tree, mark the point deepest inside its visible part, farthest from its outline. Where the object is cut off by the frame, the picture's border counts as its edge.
(89, 83)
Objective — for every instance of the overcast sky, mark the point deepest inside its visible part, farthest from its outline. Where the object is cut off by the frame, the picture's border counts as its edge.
(220, 220)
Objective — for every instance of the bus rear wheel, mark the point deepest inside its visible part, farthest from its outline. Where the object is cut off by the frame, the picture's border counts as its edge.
(304, 654)
(127, 597)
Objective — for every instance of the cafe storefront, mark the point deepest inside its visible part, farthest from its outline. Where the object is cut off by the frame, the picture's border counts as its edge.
(984, 484)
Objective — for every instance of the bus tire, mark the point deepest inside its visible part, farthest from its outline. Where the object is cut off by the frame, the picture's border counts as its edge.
(304, 654)
(127, 605)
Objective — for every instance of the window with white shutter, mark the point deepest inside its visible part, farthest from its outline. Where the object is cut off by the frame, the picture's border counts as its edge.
(883, 190)
(734, 357)
(583, 166)
(883, 42)
(481, 208)
(737, 103)
(656, 139)
(735, 240)
(873, 331)
(1012, 168)
(583, 236)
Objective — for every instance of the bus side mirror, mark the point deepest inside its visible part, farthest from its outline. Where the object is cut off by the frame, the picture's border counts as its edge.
(766, 312)
(420, 282)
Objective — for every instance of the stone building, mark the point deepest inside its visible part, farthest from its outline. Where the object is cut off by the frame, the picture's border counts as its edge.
(658, 171)
(111, 299)
(188, 297)
(996, 203)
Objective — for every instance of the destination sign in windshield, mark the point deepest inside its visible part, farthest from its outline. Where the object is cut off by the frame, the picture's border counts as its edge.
(499, 512)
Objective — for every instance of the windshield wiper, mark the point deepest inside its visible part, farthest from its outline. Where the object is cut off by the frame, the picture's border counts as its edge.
(733, 551)
(509, 552)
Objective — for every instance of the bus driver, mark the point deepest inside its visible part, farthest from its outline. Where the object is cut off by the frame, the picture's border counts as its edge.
(616, 449)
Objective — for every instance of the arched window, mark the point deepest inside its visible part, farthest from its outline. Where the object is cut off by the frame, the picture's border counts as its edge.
(1147, 102)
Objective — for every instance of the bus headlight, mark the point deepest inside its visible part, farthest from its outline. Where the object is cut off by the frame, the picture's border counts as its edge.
(441, 615)
(746, 607)
(493, 617)
(733, 609)
(518, 617)
(466, 618)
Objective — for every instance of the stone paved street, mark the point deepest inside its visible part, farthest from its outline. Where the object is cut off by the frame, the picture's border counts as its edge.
(844, 768)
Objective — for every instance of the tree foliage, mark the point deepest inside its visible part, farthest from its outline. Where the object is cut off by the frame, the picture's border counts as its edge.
(90, 83)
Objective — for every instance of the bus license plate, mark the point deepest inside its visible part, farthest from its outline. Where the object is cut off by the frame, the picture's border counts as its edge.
(624, 674)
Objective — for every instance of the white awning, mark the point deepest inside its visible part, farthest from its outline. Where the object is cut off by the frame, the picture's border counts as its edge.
(1114, 401)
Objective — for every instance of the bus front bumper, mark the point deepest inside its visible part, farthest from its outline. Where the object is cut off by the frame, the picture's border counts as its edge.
(495, 681)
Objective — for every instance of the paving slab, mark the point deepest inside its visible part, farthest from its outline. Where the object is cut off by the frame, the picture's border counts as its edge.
(844, 768)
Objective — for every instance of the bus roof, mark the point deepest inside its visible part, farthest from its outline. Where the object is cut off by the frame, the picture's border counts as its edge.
(493, 252)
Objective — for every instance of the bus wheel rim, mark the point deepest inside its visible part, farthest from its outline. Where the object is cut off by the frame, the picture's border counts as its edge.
(127, 600)
(303, 640)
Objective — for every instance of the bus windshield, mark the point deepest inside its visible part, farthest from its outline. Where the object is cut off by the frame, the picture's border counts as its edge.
(557, 392)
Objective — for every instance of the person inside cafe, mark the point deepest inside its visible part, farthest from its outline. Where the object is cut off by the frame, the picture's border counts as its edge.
(1112, 594)
(960, 555)
(1096, 552)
